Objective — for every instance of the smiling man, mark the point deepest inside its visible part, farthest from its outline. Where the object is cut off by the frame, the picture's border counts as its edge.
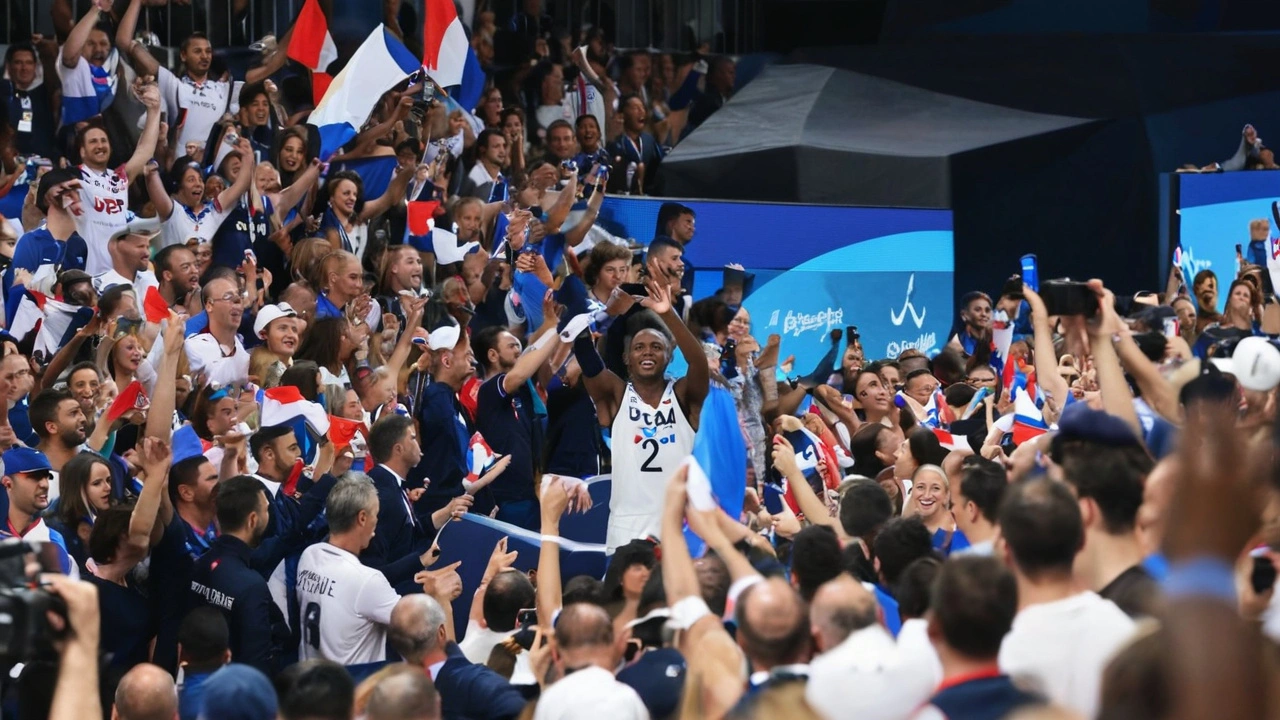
(60, 423)
(26, 482)
(57, 243)
(217, 351)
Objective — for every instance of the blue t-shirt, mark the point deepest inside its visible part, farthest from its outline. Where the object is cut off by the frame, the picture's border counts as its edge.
(509, 424)
(40, 247)
(949, 542)
(235, 234)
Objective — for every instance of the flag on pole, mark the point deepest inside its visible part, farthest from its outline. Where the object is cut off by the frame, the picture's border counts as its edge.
(313, 46)
(473, 80)
(444, 43)
(479, 457)
(378, 65)
(1028, 421)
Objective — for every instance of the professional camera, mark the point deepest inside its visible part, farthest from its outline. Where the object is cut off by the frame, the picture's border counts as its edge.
(25, 633)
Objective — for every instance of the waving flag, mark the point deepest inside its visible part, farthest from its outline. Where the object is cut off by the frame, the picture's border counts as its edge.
(951, 442)
(53, 321)
(720, 450)
(1028, 422)
(381, 62)
(154, 306)
(342, 431)
(282, 405)
(1001, 339)
(444, 43)
(473, 80)
(446, 247)
(131, 398)
(313, 46)
(975, 403)
(937, 413)
(422, 216)
(479, 457)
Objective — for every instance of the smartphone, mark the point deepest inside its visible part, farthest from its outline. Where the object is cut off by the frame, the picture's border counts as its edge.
(1171, 329)
(527, 617)
(125, 326)
(1263, 576)
(1069, 297)
(1031, 272)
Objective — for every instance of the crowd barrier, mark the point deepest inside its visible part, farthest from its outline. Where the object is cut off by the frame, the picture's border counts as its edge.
(1208, 216)
(817, 268)
(471, 540)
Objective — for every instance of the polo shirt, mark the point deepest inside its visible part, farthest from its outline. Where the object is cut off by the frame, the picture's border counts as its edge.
(507, 422)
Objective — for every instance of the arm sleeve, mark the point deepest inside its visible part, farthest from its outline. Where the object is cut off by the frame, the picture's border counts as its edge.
(251, 640)
(376, 599)
(169, 95)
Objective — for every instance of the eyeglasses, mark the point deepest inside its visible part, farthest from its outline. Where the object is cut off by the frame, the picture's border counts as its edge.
(232, 297)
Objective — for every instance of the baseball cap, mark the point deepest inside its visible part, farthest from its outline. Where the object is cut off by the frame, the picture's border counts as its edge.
(1081, 422)
(147, 227)
(1255, 363)
(238, 692)
(444, 337)
(658, 678)
(22, 460)
(56, 176)
(270, 313)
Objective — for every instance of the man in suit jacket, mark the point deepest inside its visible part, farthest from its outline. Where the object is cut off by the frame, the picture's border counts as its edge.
(419, 632)
(401, 545)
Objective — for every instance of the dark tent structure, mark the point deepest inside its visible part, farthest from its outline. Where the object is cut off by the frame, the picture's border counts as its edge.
(806, 133)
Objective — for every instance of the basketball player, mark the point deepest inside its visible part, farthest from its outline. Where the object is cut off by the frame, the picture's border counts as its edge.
(652, 418)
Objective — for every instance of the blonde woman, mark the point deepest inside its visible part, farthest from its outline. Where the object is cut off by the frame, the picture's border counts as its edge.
(930, 500)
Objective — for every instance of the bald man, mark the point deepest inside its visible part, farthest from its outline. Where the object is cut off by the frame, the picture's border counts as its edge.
(146, 692)
(840, 608)
(587, 653)
(407, 695)
(774, 634)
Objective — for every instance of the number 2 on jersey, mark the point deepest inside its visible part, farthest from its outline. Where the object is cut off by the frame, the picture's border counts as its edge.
(652, 446)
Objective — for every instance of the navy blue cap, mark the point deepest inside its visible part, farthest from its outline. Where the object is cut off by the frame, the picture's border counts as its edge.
(658, 678)
(25, 460)
(1080, 422)
(238, 692)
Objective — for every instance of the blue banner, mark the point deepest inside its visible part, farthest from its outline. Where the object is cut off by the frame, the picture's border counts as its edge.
(819, 268)
(1213, 217)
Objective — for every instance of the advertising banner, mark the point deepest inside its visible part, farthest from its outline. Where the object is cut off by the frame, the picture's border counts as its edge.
(1214, 215)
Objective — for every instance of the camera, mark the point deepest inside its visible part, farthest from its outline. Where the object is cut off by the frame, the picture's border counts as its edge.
(1065, 296)
(25, 633)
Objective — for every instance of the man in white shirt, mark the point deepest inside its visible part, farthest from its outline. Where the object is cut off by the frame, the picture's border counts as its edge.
(194, 101)
(130, 250)
(345, 605)
(87, 68)
(491, 157)
(217, 352)
(586, 659)
(1063, 636)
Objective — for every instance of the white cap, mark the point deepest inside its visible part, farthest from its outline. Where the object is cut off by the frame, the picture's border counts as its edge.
(1255, 363)
(146, 227)
(270, 313)
(444, 337)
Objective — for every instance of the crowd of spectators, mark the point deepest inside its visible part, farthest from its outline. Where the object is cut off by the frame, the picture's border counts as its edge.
(248, 397)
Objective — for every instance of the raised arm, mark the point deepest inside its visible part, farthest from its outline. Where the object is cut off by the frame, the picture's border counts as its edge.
(1116, 398)
(537, 354)
(156, 460)
(139, 56)
(815, 511)
(72, 48)
(554, 500)
(229, 197)
(273, 63)
(560, 209)
(576, 234)
(145, 151)
(1047, 375)
(155, 188)
(692, 389)
(292, 195)
(394, 194)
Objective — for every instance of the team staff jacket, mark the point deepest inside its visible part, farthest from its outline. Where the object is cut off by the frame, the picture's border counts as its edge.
(224, 579)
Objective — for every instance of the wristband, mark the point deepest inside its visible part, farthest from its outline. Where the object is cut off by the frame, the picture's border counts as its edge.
(688, 611)
(1201, 577)
(740, 586)
(588, 358)
(553, 539)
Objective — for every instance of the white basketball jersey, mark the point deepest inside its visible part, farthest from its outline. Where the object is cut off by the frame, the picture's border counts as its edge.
(648, 444)
(104, 201)
(344, 607)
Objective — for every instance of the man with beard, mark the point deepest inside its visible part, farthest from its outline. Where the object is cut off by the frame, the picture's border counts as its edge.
(178, 275)
(130, 250)
(26, 483)
(1205, 288)
(60, 423)
(87, 68)
(195, 100)
(403, 274)
(223, 578)
(217, 351)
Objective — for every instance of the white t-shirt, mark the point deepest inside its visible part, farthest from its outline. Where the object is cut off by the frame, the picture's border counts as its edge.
(184, 224)
(479, 642)
(205, 355)
(588, 694)
(144, 279)
(870, 677)
(1061, 648)
(104, 201)
(195, 107)
(345, 607)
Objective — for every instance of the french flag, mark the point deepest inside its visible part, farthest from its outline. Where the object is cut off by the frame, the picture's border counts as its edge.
(479, 457)
(380, 63)
(54, 322)
(284, 405)
(444, 43)
(1028, 421)
(313, 46)
(938, 414)
(951, 442)
(1001, 339)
